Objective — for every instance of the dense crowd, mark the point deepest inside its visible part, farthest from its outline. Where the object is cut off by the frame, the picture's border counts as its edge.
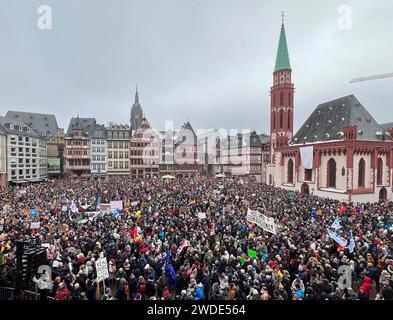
(159, 247)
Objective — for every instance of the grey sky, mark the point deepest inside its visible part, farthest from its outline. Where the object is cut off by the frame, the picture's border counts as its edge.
(209, 61)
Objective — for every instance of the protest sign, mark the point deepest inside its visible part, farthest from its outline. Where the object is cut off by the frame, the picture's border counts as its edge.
(202, 215)
(102, 269)
(134, 203)
(116, 205)
(35, 225)
(262, 221)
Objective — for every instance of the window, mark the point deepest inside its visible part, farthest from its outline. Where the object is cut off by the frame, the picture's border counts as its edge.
(281, 118)
(289, 119)
(274, 120)
(115, 165)
(362, 173)
(289, 99)
(332, 166)
(281, 99)
(290, 171)
(380, 171)
(109, 154)
(308, 175)
(274, 100)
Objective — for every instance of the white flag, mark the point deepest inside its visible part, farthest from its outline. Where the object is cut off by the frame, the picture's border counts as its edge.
(336, 224)
(340, 240)
(352, 244)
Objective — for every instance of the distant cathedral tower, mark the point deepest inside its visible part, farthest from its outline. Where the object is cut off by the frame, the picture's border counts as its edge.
(136, 113)
(281, 94)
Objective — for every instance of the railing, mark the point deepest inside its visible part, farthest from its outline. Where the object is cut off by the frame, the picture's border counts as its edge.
(8, 294)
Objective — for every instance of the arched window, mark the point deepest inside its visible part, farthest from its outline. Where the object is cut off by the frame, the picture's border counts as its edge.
(380, 171)
(281, 119)
(289, 119)
(274, 100)
(290, 171)
(289, 99)
(274, 120)
(332, 172)
(362, 173)
(281, 99)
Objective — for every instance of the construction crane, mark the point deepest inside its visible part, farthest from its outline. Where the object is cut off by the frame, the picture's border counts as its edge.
(380, 76)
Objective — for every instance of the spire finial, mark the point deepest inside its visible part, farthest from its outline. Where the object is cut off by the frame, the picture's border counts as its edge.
(282, 16)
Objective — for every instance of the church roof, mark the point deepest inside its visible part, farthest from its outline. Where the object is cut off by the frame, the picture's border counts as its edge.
(282, 59)
(329, 119)
(387, 126)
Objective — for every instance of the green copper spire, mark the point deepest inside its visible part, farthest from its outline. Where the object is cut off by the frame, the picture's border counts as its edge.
(282, 60)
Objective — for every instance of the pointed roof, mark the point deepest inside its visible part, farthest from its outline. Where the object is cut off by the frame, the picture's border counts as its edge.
(329, 119)
(282, 59)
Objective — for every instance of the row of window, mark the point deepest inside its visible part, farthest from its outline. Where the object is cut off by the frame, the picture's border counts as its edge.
(332, 173)
(76, 142)
(281, 124)
(98, 158)
(142, 161)
(118, 134)
(118, 165)
(118, 144)
(98, 166)
(117, 154)
(23, 172)
(98, 150)
(77, 152)
(98, 141)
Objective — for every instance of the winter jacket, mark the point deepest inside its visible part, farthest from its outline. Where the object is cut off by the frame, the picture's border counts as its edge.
(62, 294)
(367, 286)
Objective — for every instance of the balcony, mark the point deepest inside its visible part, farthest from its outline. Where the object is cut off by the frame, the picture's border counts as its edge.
(78, 167)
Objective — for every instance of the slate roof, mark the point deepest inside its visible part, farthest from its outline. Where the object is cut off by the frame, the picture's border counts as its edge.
(184, 131)
(45, 123)
(99, 131)
(6, 129)
(328, 120)
(86, 124)
(387, 126)
(242, 140)
(264, 138)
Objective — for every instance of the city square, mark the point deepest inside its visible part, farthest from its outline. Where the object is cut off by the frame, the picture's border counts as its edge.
(98, 202)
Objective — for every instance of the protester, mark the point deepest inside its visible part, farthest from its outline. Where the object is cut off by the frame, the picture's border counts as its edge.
(159, 247)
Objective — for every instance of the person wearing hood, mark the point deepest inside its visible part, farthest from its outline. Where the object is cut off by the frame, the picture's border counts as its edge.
(366, 287)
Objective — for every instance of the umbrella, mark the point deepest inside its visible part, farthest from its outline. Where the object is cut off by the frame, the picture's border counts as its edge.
(168, 177)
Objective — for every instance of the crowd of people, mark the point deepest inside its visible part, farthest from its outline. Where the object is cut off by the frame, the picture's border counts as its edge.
(160, 246)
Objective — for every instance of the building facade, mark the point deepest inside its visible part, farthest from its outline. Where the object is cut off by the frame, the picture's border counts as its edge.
(340, 152)
(98, 151)
(118, 139)
(26, 152)
(56, 154)
(180, 152)
(242, 155)
(144, 152)
(77, 151)
(3, 158)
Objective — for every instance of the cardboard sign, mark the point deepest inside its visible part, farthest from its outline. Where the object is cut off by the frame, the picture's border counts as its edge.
(134, 203)
(262, 221)
(202, 215)
(35, 225)
(102, 269)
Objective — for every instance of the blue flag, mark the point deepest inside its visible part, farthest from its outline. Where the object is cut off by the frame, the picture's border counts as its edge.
(33, 213)
(336, 224)
(171, 273)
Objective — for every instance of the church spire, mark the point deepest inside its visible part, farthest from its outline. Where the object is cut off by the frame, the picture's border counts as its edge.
(282, 60)
(136, 96)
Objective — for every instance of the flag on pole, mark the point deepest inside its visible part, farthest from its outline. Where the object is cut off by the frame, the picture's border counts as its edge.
(352, 244)
(336, 224)
(340, 240)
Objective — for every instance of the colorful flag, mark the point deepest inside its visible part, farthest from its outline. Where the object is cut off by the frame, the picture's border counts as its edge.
(192, 204)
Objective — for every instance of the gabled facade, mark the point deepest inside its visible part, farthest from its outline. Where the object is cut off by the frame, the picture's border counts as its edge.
(144, 152)
(118, 139)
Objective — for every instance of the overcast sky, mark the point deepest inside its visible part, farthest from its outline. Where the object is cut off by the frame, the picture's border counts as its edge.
(207, 61)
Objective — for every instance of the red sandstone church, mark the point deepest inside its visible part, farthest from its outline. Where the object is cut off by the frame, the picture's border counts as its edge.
(340, 152)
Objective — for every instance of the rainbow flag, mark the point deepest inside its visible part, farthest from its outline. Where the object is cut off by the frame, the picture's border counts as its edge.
(192, 204)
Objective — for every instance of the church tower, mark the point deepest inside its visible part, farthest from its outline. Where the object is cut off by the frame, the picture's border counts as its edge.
(136, 113)
(281, 97)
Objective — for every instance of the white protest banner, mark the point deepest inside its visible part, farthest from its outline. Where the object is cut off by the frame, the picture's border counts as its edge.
(340, 240)
(202, 215)
(35, 225)
(102, 269)
(73, 207)
(262, 221)
(116, 205)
